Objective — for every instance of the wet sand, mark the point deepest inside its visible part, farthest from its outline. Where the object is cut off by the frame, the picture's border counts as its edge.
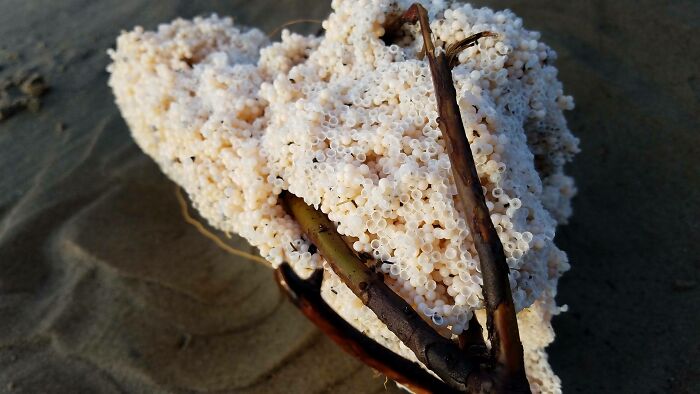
(105, 288)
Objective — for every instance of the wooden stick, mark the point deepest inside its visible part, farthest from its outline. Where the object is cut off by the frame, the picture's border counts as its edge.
(306, 295)
(436, 352)
(501, 322)
(461, 370)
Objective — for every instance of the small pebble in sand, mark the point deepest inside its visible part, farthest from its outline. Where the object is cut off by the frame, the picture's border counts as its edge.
(60, 127)
(34, 85)
(21, 92)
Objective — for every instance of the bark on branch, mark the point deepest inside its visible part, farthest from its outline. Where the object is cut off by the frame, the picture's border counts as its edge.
(306, 295)
(436, 352)
(465, 369)
(501, 320)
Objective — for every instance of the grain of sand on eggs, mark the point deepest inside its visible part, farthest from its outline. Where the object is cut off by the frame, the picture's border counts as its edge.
(350, 124)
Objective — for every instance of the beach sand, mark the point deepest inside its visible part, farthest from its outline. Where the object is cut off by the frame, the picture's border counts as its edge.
(105, 288)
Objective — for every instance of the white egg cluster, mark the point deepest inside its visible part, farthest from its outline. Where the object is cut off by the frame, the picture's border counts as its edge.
(349, 123)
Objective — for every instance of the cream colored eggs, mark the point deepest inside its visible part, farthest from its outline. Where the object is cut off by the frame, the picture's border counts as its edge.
(350, 124)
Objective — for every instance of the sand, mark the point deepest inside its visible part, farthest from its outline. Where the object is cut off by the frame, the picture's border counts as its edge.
(105, 288)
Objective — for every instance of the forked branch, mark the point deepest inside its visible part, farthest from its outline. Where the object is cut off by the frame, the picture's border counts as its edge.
(463, 369)
(501, 320)
(436, 352)
(306, 295)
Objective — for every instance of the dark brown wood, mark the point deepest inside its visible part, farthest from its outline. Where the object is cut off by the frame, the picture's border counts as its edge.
(471, 341)
(501, 322)
(464, 369)
(439, 354)
(453, 50)
(306, 295)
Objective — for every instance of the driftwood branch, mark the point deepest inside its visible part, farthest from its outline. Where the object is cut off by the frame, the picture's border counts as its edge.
(306, 295)
(470, 366)
(501, 320)
(436, 352)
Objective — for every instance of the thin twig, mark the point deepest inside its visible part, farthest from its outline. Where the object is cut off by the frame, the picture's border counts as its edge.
(464, 369)
(218, 241)
(436, 352)
(453, 50)
(501, 320)
(306, 295)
